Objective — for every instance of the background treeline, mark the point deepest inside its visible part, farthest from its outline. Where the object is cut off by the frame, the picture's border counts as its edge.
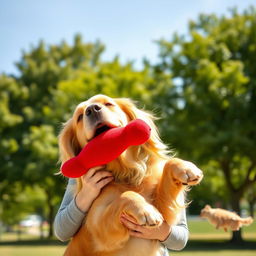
(203, 88)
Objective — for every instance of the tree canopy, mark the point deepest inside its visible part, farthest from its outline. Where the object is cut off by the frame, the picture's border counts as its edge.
(213, 121)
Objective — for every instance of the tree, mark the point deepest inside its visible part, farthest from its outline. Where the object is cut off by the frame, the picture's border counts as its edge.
(251, 196)
(212, 119)
(28, 135)
(10, 91)
(211, 191)
(52, 80)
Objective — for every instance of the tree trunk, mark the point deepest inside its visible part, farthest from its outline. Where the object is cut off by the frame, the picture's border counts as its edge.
(50, 220)
(50, 215)
(235, 197)
(251, 208)
(236, 235)
(41, 230)
(19, 233)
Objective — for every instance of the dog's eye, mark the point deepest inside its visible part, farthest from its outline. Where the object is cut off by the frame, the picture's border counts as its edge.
(108, 104)
(80, 117)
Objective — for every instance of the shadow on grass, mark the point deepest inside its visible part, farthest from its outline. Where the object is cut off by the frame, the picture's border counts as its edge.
(216, 245)
(193, 245)
(34, 242)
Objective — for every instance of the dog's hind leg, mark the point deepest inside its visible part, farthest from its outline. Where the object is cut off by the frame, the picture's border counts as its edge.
(108, 233)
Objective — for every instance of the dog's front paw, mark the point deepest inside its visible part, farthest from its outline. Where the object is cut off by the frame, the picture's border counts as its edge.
(147, 215)
(186, 173)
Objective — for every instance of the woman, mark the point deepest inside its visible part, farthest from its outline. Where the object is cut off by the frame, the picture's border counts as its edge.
(73, 210)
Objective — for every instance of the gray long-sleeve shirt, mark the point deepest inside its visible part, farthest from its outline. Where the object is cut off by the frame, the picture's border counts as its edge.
(69, 219)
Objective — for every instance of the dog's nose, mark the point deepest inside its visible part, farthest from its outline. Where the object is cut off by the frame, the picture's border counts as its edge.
(94, 108)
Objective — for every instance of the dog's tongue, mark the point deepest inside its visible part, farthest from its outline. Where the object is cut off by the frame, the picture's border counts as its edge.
(106, 147)
(102, 129)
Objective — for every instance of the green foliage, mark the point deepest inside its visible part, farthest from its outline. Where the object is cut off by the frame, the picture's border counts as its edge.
(42, 142)
(110, 78)
(211, 191)
(16, 205)
(9, 92)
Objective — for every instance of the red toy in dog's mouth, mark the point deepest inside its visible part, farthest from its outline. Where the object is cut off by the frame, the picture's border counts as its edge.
(108, 143)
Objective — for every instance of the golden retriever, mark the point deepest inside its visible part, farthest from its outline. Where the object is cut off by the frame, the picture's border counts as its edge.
(224, 219)
(147, 186)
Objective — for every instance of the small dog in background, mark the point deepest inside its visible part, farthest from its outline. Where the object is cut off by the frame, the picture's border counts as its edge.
(224, 219)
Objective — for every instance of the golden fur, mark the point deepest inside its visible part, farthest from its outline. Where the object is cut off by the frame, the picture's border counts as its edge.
(221, 218)
(148, 183)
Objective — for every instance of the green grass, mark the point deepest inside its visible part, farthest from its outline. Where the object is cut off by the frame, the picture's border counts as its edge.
(202, 230)
(31, 250)
(10, 246)
(204, 240)
(203, 226)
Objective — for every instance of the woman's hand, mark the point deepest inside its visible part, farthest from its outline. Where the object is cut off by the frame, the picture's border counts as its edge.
(92, 183)
(160, 233)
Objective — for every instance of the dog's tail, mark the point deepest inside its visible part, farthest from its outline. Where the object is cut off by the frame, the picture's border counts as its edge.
(247, 221)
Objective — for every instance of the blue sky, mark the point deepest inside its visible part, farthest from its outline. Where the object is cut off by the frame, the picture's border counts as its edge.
(127, 28)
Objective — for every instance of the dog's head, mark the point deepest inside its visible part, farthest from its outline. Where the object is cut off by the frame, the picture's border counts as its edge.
(101, 113)
(205, 211)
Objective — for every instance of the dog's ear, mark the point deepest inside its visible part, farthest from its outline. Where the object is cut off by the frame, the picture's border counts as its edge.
(154, 144)
(133, 112)
(129, 107)
(68, 143)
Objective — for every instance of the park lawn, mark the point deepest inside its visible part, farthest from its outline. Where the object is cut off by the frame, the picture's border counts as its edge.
(204, 240)
(203, 230)
(59, 250)
(45, 250)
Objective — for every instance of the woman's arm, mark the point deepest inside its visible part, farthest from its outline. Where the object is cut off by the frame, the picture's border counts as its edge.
(73, 208)
(178, 235)
(69, 217)
(173, 237)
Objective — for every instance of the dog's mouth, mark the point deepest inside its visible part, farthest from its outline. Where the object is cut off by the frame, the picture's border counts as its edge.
(100, 128)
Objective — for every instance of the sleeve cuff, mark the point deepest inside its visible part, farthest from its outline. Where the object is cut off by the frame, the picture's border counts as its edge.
(77, 214)
(177, 238)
